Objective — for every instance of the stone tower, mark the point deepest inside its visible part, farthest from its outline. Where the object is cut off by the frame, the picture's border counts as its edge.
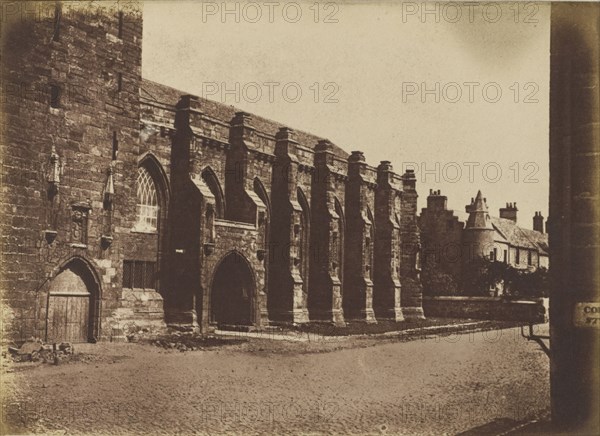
(70, 163)
(478, 237)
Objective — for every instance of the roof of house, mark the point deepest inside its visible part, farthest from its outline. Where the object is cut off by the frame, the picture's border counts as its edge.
(519, 237)
(539, 239)
(151, 90)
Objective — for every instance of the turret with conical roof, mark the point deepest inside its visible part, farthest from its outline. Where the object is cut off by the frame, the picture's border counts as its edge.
(479, 217)
(478, 237)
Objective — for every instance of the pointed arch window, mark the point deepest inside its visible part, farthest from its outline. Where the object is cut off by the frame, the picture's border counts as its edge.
(212, 182)
(147, 202)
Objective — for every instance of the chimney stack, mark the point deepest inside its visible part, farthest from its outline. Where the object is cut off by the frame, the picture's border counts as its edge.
(538, 222)
(509, 212)
(436, 201)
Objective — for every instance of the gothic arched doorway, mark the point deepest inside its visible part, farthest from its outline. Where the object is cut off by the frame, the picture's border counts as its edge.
(233, 292)
(72, 310)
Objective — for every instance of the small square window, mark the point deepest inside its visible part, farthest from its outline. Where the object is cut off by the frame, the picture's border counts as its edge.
(139, 274)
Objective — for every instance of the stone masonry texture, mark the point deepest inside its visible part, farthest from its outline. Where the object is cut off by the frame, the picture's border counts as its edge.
(283, 225)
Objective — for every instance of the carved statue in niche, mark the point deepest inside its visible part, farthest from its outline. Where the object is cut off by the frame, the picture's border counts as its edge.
(53, 173)
(79, 224)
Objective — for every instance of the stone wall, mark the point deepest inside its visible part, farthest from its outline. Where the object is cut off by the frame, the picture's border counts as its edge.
(325, 236)
(71, 114)
(493, 308)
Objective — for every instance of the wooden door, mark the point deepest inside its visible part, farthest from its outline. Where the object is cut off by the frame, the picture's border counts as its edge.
(71, 305)
(68, 317)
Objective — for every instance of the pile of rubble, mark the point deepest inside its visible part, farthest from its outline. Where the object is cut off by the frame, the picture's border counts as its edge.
(178, 341)
(35, 350)
(135, 334)
(180, 346)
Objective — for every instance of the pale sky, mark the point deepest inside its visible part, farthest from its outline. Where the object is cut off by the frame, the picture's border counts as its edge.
(373, 64)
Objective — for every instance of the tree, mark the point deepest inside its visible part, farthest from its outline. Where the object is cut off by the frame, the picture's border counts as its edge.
(484, 275)
(436, 282)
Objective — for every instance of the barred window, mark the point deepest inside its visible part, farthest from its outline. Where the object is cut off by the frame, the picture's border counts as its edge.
(139, 274)
(147, 202)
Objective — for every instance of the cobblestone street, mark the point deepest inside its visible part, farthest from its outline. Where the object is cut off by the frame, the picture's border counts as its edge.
(438, 385)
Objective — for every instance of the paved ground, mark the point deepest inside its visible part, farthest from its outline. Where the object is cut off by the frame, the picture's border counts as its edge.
(438, 385)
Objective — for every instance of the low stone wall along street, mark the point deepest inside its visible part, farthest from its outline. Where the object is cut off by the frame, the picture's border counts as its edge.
(494, 308)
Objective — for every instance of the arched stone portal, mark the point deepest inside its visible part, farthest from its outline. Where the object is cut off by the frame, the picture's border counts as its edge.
(72, 310)
(233, 292)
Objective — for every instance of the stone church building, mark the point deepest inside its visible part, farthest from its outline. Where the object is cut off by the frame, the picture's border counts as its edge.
(127, 204)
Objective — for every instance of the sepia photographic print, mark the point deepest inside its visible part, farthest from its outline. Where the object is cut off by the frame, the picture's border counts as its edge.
(299, 217)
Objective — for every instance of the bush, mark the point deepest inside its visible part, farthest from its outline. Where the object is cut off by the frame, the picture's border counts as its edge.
(516, 283)
(528, 284)
(436, 282)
